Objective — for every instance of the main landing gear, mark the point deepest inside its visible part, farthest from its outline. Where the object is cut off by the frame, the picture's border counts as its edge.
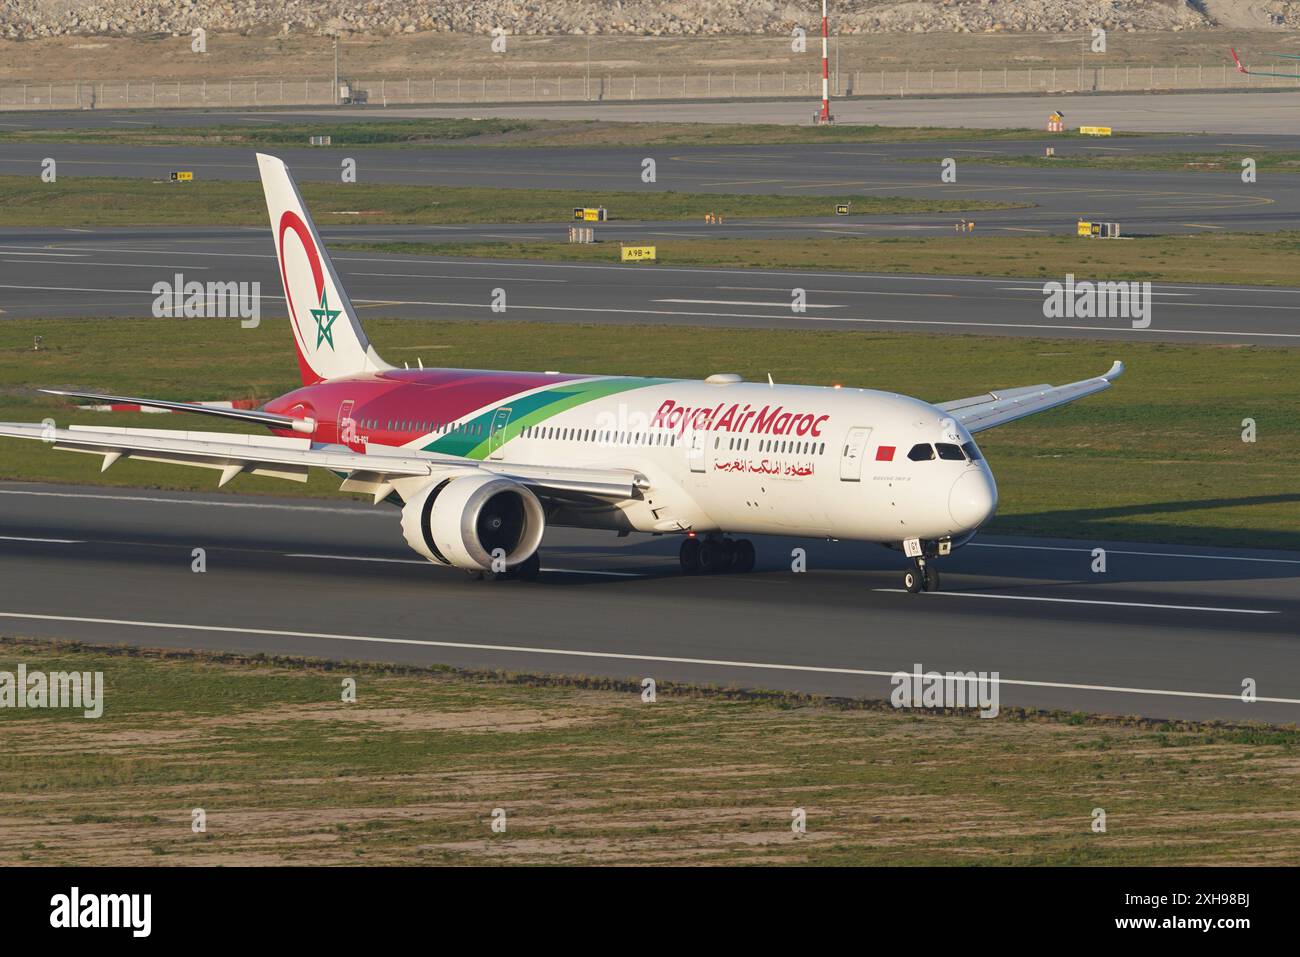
(714, 555)
(526, 571)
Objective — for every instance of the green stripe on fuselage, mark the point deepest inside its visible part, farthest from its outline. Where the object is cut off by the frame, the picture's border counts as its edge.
(529, 410)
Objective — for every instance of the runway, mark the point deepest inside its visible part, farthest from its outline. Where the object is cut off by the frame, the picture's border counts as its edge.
(1167, 632)
(1144, 202)
(111, 272)
(1250, 111)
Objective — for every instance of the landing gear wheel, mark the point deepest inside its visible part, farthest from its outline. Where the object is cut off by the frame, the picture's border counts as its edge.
(712, 557)
(690, 556)
(530, 568)
(912, 580)
(745, 556)
(931, 580)
(729, 555)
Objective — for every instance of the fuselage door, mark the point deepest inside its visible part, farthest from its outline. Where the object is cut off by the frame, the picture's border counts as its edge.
(851, 452)
(497, 437)
(347, 433)
(695, 451)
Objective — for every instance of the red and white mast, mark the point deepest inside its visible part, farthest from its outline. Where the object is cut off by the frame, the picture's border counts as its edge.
(825, 116)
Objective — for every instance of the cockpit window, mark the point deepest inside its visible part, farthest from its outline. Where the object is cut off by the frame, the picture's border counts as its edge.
(972, 451)
(921, 453)
(950, 452)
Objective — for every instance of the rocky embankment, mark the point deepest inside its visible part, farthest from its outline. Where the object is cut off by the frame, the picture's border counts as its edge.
(24, 19)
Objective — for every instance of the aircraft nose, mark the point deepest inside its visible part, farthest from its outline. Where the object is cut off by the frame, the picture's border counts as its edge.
(973, 499)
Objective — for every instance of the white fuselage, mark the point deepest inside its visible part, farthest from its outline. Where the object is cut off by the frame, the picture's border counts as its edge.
(752, 458)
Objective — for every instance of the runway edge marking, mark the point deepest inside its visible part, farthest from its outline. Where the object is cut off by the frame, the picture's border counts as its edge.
(618, 656)
(1092, 601)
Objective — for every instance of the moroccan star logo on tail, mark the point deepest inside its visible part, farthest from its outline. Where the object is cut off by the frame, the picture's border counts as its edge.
(325, 317)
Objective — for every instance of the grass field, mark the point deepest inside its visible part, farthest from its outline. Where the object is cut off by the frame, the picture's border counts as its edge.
(1246, 258)
(1157, 458)
(561, 134)
(112, 201)
(286, 773)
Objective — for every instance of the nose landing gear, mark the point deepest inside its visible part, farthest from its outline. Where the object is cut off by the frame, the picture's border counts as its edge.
(922, 576)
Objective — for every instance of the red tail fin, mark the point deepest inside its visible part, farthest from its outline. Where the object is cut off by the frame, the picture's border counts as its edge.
(1240, 68)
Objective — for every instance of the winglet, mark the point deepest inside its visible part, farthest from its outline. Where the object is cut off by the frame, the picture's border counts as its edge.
(1115, 371)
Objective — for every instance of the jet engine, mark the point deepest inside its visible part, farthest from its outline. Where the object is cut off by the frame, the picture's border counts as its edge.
(467, 520)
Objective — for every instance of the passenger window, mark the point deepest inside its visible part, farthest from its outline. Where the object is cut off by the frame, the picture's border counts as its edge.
(921, 453)
(949, 452)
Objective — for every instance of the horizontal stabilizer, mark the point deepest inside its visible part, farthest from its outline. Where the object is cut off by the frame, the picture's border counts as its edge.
(269, 419)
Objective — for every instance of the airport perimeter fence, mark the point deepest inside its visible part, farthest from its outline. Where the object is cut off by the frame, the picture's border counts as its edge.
(135, 94)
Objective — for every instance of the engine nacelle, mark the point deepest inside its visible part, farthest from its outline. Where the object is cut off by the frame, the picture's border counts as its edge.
(462, 520)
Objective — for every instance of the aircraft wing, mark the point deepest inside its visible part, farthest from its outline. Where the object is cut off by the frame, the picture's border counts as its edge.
(289, 458)
(985, 411)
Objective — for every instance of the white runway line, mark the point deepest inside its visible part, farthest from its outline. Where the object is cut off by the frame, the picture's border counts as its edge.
(421, 561)
(830, 292)
(422, 275)
(1077, 281)
(617, 656)
(125, 292)
(82, 262)
(741, 302)
(1117, 551)
(47, 541)
(589, 571)
(1023, 325)
(18, 251)
(1090, 601)
(361, 558)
